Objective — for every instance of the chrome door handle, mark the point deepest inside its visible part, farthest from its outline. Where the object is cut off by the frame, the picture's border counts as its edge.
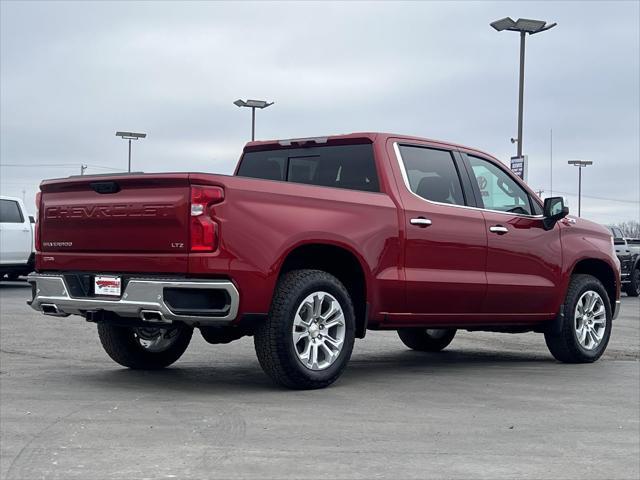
(499, 229)
(420, 222)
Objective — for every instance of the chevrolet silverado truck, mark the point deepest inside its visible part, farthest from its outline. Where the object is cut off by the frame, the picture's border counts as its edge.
(629, 257)
(314, 241)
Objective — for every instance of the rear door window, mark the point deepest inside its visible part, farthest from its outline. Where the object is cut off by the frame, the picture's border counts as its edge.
(10, 212)
(345, 166)
(432, 174)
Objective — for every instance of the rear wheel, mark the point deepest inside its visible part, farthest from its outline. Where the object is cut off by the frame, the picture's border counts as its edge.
(633, 287)
(307, 339)
(426, 339)
(586, 328)
(145, 348)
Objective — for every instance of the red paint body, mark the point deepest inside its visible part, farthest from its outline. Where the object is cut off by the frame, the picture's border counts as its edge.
(453, 273)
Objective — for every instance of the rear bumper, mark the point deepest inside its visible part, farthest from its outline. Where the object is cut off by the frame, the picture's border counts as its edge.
(141, 298)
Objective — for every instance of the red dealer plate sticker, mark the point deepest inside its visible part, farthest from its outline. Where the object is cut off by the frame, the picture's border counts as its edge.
(104, 285)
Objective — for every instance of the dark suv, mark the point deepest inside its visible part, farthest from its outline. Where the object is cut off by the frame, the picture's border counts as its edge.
(629, 263)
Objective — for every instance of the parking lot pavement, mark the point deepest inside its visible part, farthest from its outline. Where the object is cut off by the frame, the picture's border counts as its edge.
(490, 406)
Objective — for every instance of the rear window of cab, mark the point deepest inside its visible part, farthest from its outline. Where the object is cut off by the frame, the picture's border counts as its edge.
(342, 166)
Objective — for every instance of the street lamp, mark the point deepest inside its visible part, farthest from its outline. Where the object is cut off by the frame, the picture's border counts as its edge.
(580, 164)
(253, 104)
(130, 136)
(523, 26)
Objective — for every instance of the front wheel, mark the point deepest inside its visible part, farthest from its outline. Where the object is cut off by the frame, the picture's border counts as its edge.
(144, 348)
(307, 340)
(426, 339)
(586, 327)
(632, 288)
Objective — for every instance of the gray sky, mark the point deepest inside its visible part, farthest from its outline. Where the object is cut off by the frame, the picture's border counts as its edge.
(73, 73)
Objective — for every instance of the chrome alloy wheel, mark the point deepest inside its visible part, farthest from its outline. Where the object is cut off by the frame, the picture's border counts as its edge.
(318, 331)
(590, 320)
(155, 339)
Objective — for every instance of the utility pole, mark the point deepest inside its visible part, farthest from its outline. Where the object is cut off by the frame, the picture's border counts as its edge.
(82, 169)
(551, 162)
(253, 104)
(130, 136)
(580, 164)
(523, 26)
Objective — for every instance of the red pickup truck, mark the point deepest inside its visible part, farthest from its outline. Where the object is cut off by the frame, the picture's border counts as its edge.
(312, 242)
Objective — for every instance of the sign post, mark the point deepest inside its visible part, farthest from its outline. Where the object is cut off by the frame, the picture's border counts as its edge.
(519, 166)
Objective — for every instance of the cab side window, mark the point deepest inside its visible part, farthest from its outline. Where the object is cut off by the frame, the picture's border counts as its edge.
(432, 174)
(498, 190)
(10, 212)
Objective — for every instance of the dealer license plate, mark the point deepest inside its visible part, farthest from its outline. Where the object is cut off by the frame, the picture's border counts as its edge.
(106, 285)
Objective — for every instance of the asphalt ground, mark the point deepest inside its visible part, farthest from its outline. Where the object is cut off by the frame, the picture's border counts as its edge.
(490, 406)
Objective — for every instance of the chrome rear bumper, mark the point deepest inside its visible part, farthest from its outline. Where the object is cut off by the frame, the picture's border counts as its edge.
(141, 298)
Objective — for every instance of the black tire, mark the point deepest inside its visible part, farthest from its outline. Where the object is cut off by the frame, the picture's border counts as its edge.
(632, 288)
(564, 346)
(423, 340)
(123, 346)
(273, 338)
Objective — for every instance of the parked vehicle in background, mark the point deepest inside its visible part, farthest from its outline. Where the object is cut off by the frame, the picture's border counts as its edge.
(312, 242)
(633, 244)
(629, 256)
(17, 256)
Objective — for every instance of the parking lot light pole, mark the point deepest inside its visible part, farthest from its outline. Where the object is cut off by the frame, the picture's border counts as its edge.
(130, 136)
(523, 26)
(253, 104)
(580, 164)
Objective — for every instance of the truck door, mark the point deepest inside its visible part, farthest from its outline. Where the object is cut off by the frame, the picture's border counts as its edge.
(445, 244)
(524, 261)
(15, 233)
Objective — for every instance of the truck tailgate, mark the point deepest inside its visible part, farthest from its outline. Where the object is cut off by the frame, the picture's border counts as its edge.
(104, 216)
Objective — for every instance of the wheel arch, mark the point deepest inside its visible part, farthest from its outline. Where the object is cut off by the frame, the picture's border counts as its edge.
(603, 272)
(339, 261)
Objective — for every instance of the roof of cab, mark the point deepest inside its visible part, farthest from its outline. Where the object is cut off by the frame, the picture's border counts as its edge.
(352, 138)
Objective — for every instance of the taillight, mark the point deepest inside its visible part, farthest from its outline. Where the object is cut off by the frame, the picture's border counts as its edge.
(37, 225)
(204, 230)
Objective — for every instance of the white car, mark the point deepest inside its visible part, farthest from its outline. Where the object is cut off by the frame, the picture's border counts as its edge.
(16, 238)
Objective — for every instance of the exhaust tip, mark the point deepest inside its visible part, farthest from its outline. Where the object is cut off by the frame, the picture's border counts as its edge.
(52, 309)
(153, 316)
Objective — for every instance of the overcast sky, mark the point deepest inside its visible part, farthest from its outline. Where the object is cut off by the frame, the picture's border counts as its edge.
(72, 73)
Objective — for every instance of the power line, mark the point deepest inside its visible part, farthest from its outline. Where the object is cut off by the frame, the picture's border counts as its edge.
(600, 198)
(58, 165)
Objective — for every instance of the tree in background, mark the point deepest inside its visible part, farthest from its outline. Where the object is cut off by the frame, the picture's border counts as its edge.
(630, 229)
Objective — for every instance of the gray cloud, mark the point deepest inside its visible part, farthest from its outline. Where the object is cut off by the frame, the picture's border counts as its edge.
(73, 73)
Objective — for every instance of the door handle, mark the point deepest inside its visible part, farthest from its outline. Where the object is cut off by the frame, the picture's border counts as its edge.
(420, 222)
(499, 229)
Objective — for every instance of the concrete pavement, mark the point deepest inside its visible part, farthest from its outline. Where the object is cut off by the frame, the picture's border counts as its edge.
(490, 406)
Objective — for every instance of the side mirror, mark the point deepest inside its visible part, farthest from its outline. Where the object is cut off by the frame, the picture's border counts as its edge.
(553, 211)
(31, 219)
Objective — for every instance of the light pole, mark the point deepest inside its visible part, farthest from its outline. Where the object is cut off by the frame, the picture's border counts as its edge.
(253, 104)
(523, 26)
(580, 164)
(130, 136)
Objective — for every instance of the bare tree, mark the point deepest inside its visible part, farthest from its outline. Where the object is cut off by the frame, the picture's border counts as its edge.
(630, 229)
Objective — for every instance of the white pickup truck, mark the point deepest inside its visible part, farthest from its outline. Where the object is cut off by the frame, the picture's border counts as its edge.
(16, 239)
